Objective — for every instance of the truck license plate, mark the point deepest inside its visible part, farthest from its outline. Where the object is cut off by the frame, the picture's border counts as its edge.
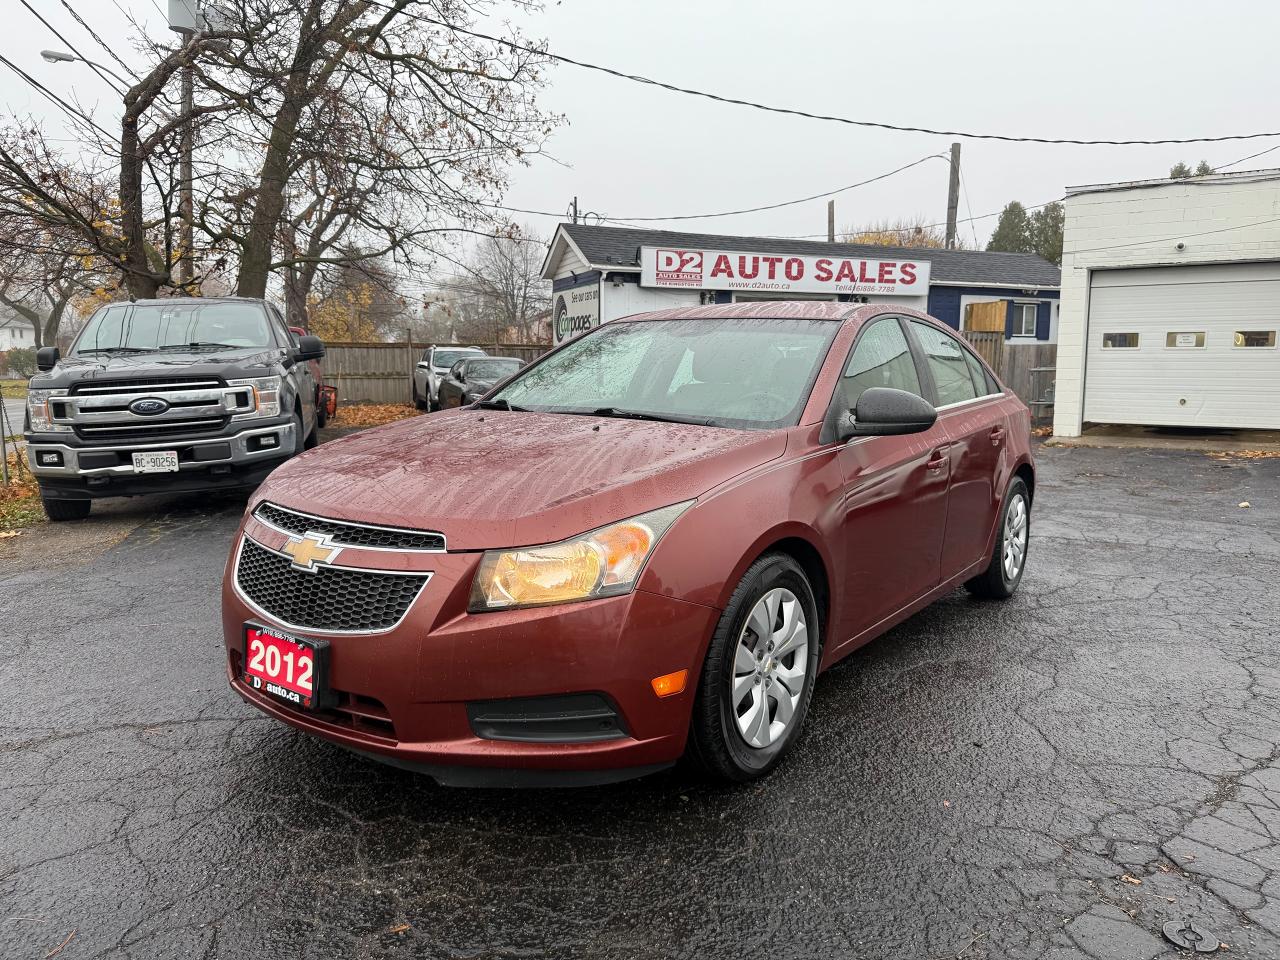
(159, 461)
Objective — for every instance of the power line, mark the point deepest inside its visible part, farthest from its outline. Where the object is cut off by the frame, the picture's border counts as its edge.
(964, 186)
(31, 81)
(790, 111)
(726, 213)
(102, 43)
(786, 203)
(92, 66)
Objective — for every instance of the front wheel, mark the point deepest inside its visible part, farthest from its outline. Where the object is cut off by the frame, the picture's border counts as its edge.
(1009, 556)
(759, 672)
(57, 510)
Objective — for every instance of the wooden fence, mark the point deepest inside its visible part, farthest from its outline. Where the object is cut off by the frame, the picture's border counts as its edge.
(1026, 368)
(382, 372)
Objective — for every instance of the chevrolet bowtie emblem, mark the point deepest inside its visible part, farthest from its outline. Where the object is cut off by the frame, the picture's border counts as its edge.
(311, 549)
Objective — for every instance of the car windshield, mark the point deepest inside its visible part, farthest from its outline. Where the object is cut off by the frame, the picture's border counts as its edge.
(146, 327)
(738, 372)
(494, 369)
(447, 358)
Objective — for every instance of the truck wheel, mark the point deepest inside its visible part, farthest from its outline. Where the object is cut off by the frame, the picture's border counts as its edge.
(299, 433)
(57, 510)
(417, 400)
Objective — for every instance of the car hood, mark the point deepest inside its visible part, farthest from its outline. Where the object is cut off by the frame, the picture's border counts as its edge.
(229, 363)
(497, 479)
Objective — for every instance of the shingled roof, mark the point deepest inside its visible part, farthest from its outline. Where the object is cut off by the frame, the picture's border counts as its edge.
(618, 247)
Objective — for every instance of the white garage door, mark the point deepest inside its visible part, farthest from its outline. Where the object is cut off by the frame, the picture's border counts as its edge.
(1185, 346)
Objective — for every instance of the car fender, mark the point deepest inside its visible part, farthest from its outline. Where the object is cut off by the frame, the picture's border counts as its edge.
(707, 551)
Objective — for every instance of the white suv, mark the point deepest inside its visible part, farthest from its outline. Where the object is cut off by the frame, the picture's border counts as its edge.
(432, 368)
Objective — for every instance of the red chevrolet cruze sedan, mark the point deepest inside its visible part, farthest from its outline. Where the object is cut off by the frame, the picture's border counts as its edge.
(648, 543)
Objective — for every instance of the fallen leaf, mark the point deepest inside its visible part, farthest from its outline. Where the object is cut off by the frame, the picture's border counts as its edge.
(401, 927)
(7, 534)
(1244, 503)
(946, 803)
(1133, 880)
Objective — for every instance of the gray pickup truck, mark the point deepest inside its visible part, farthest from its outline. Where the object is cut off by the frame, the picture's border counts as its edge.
(161, 396)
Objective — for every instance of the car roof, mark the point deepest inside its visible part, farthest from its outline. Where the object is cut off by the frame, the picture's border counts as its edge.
(765, 310)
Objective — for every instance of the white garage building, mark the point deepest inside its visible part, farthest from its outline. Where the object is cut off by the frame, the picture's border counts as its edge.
(1171, 304)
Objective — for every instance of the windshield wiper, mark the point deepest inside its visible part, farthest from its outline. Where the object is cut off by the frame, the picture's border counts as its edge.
(115, 350)
(656, 417)
(197, 344)
(498, 404)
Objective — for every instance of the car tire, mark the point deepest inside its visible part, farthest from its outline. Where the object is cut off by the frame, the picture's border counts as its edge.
(725, 725)
(418, 402)
(1009, 555)
(59, 510)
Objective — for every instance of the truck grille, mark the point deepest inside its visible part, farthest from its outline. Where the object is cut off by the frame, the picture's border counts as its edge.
(333, 599)
(99, 411)
(347, 534)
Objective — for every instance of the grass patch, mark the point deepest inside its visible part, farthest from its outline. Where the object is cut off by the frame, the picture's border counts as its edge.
(20, 500)
(13, 389)
(372, 414)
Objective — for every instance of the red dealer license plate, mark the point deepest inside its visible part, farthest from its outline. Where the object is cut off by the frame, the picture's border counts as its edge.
(288, 668)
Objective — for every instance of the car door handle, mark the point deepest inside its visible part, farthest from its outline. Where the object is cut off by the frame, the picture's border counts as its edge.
(997, 434)
(937, 461)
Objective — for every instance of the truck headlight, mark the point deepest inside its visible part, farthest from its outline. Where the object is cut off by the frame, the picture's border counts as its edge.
(602, 563)
(40, 412)
(265, 395)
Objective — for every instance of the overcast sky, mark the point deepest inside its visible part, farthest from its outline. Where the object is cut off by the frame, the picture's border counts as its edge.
(1122, 69)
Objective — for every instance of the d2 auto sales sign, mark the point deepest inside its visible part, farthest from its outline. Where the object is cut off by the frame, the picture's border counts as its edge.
(733, 270)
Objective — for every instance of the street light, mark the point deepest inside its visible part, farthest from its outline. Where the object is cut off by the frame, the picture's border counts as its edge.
(58, 56)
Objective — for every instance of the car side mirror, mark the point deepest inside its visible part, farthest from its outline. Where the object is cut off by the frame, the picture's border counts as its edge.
(309, 348)
(47, 358)
(423, 365)
(884, 411)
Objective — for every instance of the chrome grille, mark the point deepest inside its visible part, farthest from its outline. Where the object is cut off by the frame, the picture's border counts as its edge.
(333, 599)
(347, 534)
(99, 410)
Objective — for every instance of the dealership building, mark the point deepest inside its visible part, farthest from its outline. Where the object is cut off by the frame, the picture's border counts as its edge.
(1171, 304)
(601, 273)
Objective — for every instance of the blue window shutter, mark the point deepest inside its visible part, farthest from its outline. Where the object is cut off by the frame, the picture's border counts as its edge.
(1009, 309)
(944, 305)
(1042, 319)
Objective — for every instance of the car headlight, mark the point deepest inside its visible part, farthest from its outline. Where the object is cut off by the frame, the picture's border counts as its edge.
(602, 563)
(40, 414)
(266, 395)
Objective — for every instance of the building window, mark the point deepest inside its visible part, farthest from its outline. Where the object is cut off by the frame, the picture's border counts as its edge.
(1127, 341)
(1024, 320)
(1184, 339)
(1255, 338)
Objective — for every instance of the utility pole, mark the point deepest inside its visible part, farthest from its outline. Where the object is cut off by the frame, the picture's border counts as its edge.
(953, 196)
(573, 210)
(831, 221)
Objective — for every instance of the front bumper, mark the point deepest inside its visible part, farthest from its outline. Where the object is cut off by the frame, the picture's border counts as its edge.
(408, 695)
(65, 467)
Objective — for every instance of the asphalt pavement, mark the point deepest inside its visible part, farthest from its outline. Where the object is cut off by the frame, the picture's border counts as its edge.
(1056, 776)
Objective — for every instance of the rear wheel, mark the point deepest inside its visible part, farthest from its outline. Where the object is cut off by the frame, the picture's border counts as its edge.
(57, 510)
(417, 400)
(759, 672)
(1009, 556)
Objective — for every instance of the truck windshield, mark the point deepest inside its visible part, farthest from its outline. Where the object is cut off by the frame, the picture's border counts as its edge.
(734, 372)
(144, 327)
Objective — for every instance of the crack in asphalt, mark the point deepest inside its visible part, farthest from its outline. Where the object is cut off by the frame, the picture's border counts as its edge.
(1051, 777)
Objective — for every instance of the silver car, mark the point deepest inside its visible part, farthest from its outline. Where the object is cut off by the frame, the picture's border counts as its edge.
(434, 367)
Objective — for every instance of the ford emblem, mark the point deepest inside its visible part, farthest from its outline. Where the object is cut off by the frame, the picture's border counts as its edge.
(149, 406)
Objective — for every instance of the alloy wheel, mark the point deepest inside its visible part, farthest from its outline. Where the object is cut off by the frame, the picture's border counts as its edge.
(1015, 537)
(769, 668)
